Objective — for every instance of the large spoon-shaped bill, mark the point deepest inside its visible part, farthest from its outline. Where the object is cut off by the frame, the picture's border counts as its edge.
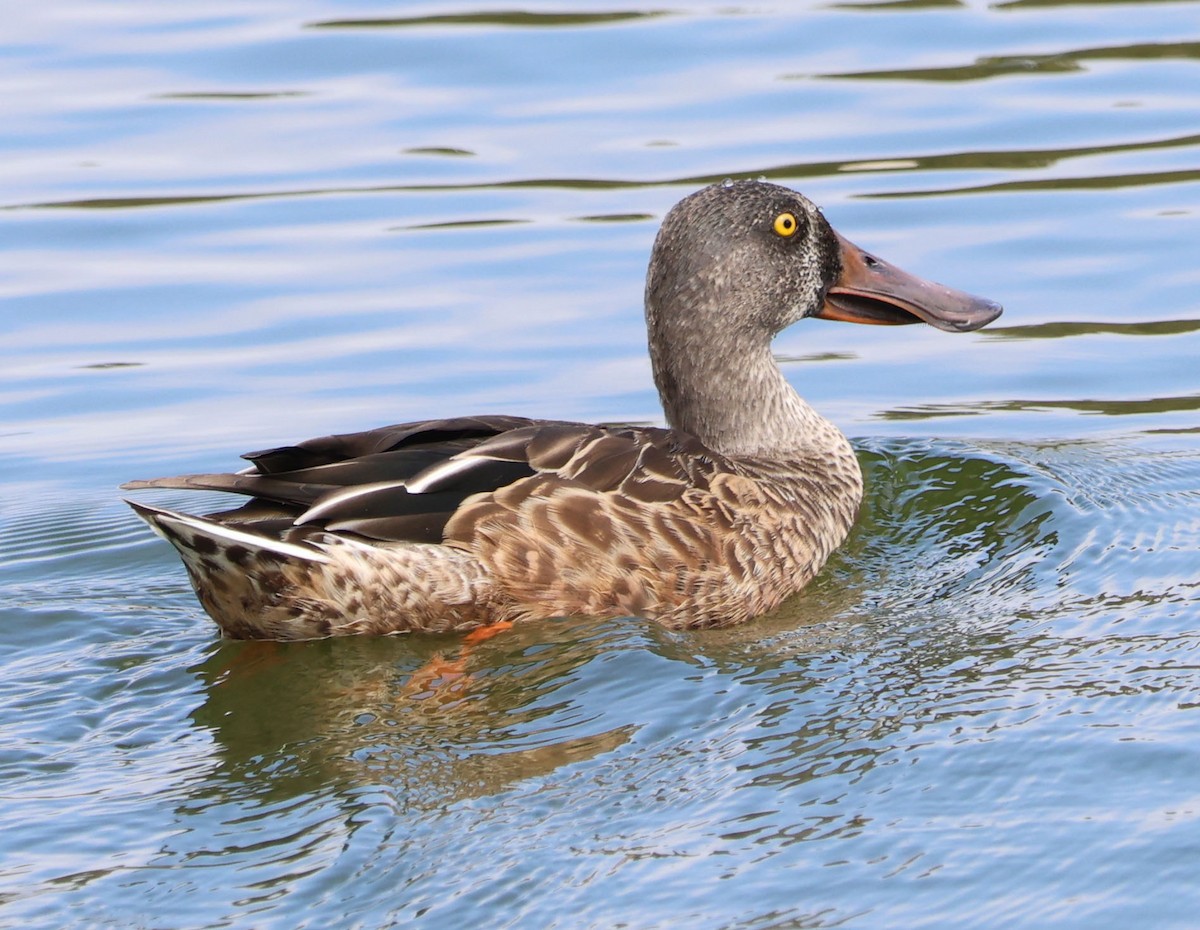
(869, 290)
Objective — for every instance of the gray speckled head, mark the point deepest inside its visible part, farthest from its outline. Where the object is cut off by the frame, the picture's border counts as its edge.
(735, 263)
(718, 253)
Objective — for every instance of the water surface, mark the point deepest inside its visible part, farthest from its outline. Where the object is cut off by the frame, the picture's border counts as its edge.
(228, 226)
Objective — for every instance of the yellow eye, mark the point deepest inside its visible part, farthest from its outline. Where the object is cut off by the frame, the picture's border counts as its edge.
(786, 225)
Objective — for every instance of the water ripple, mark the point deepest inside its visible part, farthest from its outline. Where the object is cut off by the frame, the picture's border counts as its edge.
(1056, 62)
(992, 160)
(516, 18)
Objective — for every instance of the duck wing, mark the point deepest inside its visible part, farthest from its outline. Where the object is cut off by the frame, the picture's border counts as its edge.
(403, 483)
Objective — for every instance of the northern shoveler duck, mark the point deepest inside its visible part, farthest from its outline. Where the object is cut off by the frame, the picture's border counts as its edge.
(460, 523)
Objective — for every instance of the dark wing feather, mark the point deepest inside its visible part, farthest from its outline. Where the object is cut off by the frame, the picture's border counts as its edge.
(591, 467)
(395, 465)
(547, 446)
(357, 482)
(423, 433)
(304, 486)
(407, 482)
(607, 465)
(388, 513)
(281, 491)
(424, 527)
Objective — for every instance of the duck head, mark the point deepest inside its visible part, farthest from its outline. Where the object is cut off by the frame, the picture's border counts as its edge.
(764, 256)
(735, 263)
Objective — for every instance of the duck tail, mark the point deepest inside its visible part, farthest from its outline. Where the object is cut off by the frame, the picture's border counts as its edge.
(191, 534)
(310, 585)
(243, 579)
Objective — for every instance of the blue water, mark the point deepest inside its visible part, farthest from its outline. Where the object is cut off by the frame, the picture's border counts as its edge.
(229, 226)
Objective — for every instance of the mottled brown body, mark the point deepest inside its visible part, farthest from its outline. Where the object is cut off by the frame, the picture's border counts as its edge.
(705, 541)
(656, 526)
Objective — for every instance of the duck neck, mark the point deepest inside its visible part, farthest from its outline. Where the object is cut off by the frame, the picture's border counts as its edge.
(731, 395)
